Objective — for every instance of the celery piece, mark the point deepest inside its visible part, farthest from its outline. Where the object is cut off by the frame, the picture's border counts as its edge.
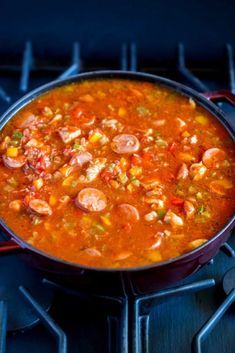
(17, 135)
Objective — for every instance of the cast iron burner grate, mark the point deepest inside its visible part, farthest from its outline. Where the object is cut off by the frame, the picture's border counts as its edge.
(129, 315)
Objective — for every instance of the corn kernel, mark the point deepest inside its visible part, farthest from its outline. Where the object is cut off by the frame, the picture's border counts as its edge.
(87, 220)
(95, 137)
(130, 187)
(201, 119)
(106, 221)
(185, 134)
(12, 152)
(155, 256)
(123, 163)
(134, 171)
(196, 243)
(68, 181)
(114, 184)
(66, 170)
(52, 200)
(121, 112)
(101, 94)
(47, 226)
(38, 183)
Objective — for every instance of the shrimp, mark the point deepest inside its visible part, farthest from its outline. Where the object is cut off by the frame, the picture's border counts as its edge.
(14, 162)
(183, 172)
(212, 156)
(220, 186)
(197, 171)
(173, 219)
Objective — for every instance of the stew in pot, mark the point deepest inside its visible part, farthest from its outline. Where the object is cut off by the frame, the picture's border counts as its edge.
(115, 173)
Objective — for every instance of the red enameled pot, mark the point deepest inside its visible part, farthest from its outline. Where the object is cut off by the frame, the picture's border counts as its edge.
(111, 281)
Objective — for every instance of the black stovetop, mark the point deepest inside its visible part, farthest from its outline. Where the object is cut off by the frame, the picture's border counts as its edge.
(78, 323)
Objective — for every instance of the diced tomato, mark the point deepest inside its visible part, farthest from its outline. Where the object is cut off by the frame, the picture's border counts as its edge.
(173, 147)
(177, 201)
(127, 227)
(136, 159)
(148, 155)
(27, 199)
(106, 176)
(170, 177)
(76, 113)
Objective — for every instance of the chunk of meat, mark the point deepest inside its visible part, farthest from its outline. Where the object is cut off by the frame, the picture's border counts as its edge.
(197, 171)
(173, 219)
(87, 98)
(125, 143)
(122, 255)
(196, 243)
(15, 205)
(29, 120)
(93, 170)
(181, 123)
(128, 213)
(113, 124)
(183, 172)
(14, 162)
(189, 209)
(151, 184)
(158, 123)
(157, 240)
(91, 200)
(80, 158)
(92, 252)
(40, 206)
(88, 121)
(212, 156)
(68, 134)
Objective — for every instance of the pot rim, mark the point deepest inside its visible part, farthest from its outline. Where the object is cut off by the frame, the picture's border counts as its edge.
(136, 76)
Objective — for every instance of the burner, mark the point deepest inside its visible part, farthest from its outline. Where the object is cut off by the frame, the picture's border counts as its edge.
(229, 280)
(206, 329)
(15, 273)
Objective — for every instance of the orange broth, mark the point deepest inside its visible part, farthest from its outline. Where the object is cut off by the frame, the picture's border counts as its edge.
(115, 173)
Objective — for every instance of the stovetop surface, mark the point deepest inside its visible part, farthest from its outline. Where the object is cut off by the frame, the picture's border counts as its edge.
(173, 321)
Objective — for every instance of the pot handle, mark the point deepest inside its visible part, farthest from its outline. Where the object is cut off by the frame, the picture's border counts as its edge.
(220, 95)
(10, 247)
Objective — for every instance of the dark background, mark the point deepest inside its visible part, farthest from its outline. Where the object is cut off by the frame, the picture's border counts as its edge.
(102, 26)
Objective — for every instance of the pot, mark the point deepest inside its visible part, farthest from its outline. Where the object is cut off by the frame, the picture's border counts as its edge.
(114, 281)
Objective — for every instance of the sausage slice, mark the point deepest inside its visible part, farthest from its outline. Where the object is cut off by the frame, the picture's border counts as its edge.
(40, 206)
(125, 143)
(128, 213)
(91, 200)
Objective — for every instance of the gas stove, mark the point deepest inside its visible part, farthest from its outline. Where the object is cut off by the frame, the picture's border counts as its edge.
(37, 315)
